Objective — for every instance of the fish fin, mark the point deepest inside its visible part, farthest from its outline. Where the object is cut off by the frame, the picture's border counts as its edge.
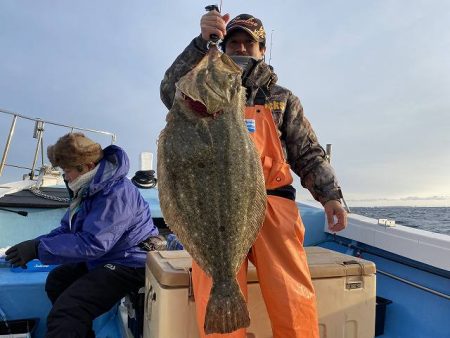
(226, 310)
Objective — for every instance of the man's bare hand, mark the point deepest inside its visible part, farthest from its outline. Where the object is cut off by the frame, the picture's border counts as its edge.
(214, 23)
(334, 208)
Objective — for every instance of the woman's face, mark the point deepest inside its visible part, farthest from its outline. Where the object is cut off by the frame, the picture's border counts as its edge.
(72, 173)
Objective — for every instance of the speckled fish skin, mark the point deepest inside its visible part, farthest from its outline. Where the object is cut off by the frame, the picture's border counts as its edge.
(211, 184)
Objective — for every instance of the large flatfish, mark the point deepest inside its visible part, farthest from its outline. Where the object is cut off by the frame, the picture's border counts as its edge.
(211, 184)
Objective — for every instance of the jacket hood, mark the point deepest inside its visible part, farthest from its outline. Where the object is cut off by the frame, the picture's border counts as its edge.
(113, 167)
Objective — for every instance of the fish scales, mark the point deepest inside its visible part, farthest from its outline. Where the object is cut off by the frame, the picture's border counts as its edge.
(211, 184)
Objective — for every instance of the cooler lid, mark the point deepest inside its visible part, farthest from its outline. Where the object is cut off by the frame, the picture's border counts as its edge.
(325, 263)
(172, 268)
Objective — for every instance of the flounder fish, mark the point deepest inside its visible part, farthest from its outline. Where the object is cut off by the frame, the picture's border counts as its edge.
(211, 183)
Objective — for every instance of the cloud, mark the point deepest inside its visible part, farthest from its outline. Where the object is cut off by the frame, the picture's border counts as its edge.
(412, 201)
(427, 198)
(407, 198)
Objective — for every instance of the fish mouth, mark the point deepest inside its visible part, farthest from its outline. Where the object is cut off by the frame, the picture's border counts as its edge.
(199, 107)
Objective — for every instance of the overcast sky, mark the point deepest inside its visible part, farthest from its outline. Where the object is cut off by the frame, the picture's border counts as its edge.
(373, 77)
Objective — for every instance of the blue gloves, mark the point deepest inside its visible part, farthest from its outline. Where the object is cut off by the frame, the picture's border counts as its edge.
(20, 254)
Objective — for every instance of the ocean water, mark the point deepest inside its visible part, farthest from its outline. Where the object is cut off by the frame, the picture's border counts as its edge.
(434, 219)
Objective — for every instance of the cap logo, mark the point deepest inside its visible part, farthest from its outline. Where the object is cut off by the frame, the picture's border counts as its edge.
(260, 33)
(247, 22)
(254, 26)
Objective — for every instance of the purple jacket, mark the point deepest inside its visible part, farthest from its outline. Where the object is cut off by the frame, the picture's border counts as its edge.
(112, 220)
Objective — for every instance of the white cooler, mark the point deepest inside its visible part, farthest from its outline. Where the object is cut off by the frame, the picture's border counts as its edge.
(345, 288)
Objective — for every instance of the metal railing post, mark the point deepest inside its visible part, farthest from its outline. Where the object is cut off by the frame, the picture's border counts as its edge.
(8, 143)
(38, 131)
(328, 151)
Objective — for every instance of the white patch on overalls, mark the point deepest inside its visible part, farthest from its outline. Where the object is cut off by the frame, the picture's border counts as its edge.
(110, 266)
(251, 125)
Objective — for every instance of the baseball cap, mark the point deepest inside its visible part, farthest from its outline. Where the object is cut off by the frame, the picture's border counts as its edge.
(249, 24)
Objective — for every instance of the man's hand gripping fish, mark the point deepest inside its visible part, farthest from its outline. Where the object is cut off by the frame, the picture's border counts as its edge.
(211, 184)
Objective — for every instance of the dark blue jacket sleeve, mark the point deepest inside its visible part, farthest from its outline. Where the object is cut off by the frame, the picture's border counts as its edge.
(105, 223)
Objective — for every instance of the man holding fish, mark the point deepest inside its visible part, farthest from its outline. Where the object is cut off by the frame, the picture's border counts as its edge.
(284, 140)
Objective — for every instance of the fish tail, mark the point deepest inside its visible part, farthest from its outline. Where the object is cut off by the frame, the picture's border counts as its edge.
(226, 310)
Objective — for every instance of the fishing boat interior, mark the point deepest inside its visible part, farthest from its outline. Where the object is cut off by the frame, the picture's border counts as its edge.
(375, 278)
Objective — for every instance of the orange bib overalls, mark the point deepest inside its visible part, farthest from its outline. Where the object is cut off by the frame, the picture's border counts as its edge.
(277, 253)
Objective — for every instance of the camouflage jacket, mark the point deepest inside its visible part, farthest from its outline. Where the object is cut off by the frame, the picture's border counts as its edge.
(301, 148)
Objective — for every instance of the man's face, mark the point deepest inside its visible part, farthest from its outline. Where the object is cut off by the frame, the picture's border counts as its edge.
(241, 43)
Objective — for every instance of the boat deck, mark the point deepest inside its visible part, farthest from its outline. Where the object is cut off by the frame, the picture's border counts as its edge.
(419, 293)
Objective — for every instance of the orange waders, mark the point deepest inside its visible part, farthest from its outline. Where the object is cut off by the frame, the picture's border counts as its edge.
(277, 253)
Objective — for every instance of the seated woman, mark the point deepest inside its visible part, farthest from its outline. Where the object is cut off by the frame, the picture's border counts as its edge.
(98, 240)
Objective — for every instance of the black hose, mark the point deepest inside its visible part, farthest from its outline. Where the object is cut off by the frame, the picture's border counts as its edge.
(20, 212)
